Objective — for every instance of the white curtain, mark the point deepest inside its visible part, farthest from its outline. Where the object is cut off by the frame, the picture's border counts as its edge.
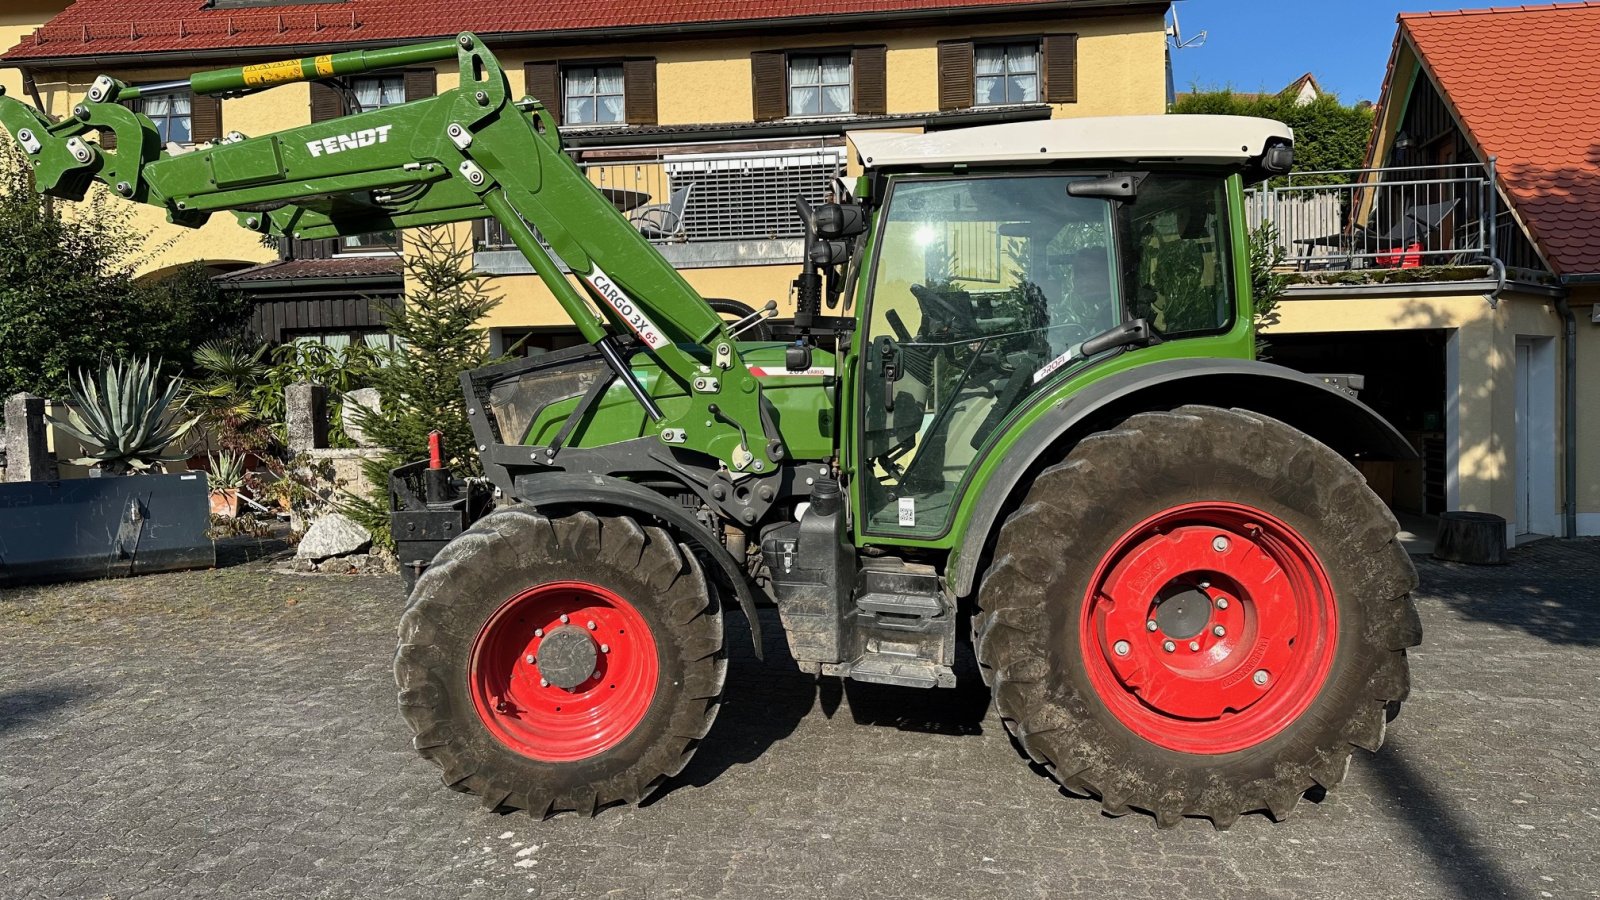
(989, 65)
(376, 93)
(170, 113)
(609, 95)
(836, 81)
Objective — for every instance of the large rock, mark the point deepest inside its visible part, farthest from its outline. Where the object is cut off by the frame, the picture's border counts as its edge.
(359, 403)
(333, 535)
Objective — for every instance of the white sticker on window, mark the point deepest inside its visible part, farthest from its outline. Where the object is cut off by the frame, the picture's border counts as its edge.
(908, 511)
(632, 315)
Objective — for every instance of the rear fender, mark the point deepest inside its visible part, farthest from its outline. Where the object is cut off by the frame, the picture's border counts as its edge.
(1306, 403)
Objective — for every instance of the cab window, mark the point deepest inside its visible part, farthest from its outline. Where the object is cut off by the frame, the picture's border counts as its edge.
(982, 287)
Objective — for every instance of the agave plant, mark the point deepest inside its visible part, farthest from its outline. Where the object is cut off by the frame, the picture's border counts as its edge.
(128, 415)
(227, 471)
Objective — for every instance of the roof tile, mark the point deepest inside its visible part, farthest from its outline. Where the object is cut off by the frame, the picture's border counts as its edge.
(99, 27)
(1523, 81)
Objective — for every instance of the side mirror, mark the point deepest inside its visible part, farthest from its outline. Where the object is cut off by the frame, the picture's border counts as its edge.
(839, 220)
(828, 253)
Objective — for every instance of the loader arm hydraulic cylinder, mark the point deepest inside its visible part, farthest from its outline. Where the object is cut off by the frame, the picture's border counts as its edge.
(469, 152)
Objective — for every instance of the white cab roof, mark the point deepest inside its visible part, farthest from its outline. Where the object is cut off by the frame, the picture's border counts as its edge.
(1206, 140)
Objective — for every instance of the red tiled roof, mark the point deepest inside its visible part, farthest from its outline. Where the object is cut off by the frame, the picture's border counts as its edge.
(98, 27)
(1525, 82)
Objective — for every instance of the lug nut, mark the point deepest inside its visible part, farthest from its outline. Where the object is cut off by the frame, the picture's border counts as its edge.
(1261, 676)
(532, 659)
(1121, 647)
(1169, 646)
(565, 618)
(1204, 585)
(596, 674)
(1150, 625)
(1219, 631)
(538, 632)
(1222, 603)
(591, 624)
(1194, 646)
(1219, 544)
(544, 682)
(605, 648)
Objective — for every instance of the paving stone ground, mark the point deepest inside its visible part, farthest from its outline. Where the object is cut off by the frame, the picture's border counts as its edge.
(233, 734)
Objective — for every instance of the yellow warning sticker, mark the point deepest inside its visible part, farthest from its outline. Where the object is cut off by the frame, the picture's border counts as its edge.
(272, 72)
(324, 66)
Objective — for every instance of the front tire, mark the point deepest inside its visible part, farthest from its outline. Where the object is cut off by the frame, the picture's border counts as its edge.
(560, 665)
(1198, 613)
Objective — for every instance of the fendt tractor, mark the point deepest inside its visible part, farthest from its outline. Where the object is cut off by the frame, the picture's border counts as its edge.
(1017, 404)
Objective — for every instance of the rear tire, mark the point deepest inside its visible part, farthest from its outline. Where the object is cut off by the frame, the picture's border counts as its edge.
(1280, 644)
(496, 646)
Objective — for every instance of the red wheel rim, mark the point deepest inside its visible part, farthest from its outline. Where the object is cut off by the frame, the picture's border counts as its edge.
(1209, 627)
(570, 719)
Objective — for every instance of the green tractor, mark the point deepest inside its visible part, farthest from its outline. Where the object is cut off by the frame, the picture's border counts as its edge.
(1017, 403)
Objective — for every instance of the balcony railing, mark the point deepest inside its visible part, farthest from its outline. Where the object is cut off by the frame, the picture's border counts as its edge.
(690, 198)
(1395, 218)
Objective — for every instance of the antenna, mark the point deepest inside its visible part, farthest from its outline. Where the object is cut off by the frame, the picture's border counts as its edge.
(1175, 34)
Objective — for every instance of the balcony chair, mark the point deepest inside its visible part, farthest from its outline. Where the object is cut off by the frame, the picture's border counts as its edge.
(664, 221)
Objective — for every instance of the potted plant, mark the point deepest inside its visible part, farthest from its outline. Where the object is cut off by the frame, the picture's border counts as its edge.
(227, 477)
(128, 415)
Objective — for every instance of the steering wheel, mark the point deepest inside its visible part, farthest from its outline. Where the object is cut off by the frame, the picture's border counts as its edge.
(938, 307)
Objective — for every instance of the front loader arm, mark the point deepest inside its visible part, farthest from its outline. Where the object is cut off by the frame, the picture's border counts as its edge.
(471, 151)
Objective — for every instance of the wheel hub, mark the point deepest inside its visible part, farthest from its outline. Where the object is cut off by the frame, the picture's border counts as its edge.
(567, 657)
(1184, 613)
(1209, 627)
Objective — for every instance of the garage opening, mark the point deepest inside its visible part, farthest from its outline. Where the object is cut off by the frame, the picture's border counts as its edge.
(1401, 375)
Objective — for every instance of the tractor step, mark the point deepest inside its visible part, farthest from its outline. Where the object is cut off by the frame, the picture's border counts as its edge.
(901, 671)
(922, 606)
(895, 588)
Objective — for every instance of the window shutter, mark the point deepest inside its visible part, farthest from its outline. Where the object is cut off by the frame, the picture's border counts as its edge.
(955, 74)
(544, 85)
(421, 84)
(770, 83)
(322, 248)
(639, 91)
(205, 119)
(1060, 54)
(327, 101)
(871, 81)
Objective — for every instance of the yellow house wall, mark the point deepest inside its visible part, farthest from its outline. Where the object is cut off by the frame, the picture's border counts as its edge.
(1484, 350)
(1583, 303)
(18, 19)
(1121, 71)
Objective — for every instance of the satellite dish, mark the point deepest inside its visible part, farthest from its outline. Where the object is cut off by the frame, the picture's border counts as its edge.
(1175, 34)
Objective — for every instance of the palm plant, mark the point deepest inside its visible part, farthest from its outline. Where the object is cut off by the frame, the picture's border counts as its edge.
(225, 398)
(127, 414)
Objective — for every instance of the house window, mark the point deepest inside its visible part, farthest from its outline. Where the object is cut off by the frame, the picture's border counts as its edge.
(819, 84)
(593, 95)
(170, 113)
(1006, 73)
(370, 92)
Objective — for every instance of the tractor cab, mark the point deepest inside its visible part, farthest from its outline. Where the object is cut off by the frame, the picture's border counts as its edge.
(1008, 259)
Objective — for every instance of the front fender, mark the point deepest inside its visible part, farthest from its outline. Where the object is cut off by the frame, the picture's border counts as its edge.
(601, 493)
(1294, 398)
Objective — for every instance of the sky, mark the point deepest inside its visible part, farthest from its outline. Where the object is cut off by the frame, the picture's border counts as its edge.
(1256, 45)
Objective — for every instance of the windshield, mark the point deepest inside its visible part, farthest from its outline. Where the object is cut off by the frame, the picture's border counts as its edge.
(984, 286)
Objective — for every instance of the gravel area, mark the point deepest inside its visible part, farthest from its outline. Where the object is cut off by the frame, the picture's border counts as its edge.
(232, 733)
